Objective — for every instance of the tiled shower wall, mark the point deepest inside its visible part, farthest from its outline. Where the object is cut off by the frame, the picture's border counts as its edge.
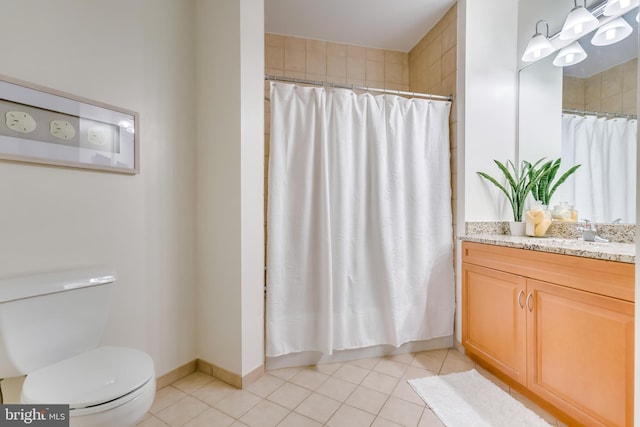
(429, 67)
(612, 91)
(433, 69)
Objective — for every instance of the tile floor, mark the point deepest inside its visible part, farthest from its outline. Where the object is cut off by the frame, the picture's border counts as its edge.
(367, 392)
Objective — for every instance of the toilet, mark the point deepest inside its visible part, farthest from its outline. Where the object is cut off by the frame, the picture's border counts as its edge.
(50, 328)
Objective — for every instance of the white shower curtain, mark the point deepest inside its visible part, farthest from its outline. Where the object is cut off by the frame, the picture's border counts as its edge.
(360, 242)
(604, 187)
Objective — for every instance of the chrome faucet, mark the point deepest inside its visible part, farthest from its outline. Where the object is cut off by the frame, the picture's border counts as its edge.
(589, 232)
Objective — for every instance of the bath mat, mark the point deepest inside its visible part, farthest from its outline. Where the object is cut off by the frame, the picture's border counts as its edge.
(468, 399)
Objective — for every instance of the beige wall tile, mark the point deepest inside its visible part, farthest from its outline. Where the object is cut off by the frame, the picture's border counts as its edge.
(274, 54)
(295, 55)
(375, 54)
(435, 78)
(612, 104)
(336, 49)
(316, 58)
(629, 103)
(449, 37)
(393, 73)
(434, 50)
(449, 63)
(630, 76)
(612, 82)
(337, 67)
(375, 71)
(356, 69)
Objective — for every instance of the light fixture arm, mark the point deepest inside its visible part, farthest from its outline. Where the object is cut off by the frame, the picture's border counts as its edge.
(546, 24)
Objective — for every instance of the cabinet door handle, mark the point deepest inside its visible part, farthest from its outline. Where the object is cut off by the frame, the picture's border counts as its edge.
(528, 299)
(520, 298)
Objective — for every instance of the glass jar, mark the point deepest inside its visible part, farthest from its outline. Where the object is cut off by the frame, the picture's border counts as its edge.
(564, 212)
(537, 220)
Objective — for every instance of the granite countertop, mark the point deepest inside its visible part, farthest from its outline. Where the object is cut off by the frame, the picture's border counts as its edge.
(612, 251)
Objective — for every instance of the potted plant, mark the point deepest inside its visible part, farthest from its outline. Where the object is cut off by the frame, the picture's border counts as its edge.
(520, 182)
(545, 187)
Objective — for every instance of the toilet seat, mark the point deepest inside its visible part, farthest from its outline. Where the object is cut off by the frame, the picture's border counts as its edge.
(97, 380)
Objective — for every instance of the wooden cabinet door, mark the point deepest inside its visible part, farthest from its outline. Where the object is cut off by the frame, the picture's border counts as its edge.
(494, 318)
(580, 353)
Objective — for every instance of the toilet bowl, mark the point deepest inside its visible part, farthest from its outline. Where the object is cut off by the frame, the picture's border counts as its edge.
(50, 326)
(103, 387)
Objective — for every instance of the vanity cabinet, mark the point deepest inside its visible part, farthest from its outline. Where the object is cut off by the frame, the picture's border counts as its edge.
(558, 327)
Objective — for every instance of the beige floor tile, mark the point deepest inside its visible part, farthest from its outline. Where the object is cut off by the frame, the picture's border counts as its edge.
(348, 416)
(238, 424)
(211, 418)
(285, 373)
(309, 379)
(318, 407)
(353, 374)
(213, 392)
(367, 400)
(327, 368)
(431, 360)
(237, 403)
(381, 422)
(365, 363)
(412, 373)
(265, 385)
(165, 397)
(192, 382)
(402, 412)
(297, 420)
(264, 414)
(337, 389)
(182, 411)
(380, 382)
(405, 392)
(456, 362)
(391, 368)
(289, 395)
(405, 358)
(146, 416)
(152, 422)
(429, 419)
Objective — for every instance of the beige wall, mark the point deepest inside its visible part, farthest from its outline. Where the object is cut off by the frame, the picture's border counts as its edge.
(142, 226)
(230, 291)
(611, 91)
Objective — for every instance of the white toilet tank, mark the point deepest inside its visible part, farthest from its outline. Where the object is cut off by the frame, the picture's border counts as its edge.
(46, 318)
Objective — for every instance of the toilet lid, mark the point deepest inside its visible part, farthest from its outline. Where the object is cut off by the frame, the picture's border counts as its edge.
(88, 379)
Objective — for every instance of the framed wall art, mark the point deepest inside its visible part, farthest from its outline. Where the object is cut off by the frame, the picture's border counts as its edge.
(46, 126)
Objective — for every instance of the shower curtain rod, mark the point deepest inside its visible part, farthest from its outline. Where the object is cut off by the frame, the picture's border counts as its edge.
(598, 113)
(356, 87)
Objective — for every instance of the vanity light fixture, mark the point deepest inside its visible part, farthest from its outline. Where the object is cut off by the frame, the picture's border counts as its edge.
(570, 55)
(579, 22)
(539, 46)
(618, 7)
(611, 32)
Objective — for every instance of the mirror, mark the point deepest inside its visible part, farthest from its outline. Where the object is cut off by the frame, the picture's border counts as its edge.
(585, 114)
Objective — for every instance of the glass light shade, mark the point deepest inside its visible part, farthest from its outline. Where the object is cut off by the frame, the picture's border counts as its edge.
(570, 55)
(579, 22)
(618, 7)
(539, 47)
(611, 32)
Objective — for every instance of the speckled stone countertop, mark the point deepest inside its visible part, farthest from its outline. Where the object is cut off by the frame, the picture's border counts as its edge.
(612, 251)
